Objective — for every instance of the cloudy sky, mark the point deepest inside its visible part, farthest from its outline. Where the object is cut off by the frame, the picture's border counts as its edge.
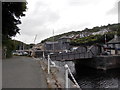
(63, 16)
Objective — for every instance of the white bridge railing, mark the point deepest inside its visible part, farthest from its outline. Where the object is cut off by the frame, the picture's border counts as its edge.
(67, 71)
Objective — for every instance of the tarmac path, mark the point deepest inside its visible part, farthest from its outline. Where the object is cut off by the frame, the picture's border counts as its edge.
(22, 72)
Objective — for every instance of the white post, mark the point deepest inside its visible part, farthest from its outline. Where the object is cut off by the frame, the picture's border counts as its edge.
(43, 55)
(48, 64)
(66, 76)
(73, 78)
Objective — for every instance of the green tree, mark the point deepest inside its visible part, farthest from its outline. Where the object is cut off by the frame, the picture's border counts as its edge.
(11, 15)
(118, 32)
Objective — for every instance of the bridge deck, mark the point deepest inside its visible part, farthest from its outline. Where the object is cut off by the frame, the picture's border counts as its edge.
(75, 55)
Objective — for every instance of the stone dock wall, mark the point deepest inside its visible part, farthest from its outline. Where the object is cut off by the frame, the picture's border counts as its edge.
(101, 62)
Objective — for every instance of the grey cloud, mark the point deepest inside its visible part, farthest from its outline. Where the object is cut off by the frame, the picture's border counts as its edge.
(119, 12)
(13, 0)
(43, 12)
(41, 16)
(114, 10)
(39, 19)
(39, 5)
(29, 35)
(73, 28)
(82, 2)
(33, 25)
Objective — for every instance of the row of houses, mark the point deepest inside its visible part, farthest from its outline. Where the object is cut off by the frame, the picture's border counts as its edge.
(113, 46)
(86, 34)
(63, 44)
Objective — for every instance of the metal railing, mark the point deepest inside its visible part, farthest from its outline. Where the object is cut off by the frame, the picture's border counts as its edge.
(67, 71)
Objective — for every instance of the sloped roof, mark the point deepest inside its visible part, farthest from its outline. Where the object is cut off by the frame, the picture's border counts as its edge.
(51, 42)
(64, 37)
(115, 40)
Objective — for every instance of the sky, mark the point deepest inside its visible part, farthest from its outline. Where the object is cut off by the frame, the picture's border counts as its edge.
(44, 16)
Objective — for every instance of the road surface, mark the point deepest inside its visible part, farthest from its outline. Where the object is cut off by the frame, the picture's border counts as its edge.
(22, 72)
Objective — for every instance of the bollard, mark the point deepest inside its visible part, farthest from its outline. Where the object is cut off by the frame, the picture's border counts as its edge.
(66, 76)
(48, 64)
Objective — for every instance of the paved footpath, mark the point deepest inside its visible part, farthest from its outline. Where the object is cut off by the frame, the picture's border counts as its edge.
(22, 72)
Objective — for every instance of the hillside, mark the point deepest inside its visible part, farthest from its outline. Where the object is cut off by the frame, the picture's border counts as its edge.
(21, 45)
(89, 36)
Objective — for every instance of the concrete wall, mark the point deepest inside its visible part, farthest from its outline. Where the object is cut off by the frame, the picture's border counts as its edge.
(101, 62)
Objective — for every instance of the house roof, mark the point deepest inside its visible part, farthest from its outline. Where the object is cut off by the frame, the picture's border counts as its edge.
(51, 42)
(115, 40)
(64, 37)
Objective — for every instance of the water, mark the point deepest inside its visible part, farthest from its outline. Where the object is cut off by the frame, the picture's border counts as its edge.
(91, 78)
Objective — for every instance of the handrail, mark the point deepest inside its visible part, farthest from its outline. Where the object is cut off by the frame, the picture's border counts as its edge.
(67, 67)
(73, 78)
(44, 55)
(49, 60)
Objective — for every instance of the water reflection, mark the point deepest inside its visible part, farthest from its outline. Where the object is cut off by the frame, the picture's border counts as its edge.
(91, 78)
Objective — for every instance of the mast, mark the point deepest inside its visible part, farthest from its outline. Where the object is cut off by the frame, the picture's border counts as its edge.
(53, 42)
(35, 38)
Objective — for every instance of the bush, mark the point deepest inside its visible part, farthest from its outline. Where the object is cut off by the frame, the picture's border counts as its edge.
(8, 47)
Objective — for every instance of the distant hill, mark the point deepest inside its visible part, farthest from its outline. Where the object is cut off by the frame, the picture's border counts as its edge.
(89, 36)
(20, 45)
